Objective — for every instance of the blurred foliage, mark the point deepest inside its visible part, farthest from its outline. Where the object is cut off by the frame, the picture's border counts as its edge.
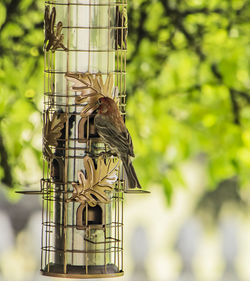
(188, 86)
(21, 65)
(188, 83)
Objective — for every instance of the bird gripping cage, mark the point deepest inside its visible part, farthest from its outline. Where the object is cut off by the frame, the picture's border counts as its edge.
(83, 184)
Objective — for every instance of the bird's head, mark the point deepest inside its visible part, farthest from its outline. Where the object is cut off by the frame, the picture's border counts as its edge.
(105, 104)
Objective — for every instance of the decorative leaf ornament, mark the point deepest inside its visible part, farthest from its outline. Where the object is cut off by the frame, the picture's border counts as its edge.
(52, 131)
(95, 182)
(53, 40)
(92, 88)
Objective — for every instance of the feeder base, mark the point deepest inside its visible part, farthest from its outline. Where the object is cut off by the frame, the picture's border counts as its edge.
(77, 271)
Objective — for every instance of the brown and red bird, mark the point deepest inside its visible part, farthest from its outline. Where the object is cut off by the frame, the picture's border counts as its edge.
(111, 128)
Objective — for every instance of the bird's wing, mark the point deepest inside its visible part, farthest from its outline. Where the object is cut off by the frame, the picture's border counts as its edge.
(121, 142)
(130, 143)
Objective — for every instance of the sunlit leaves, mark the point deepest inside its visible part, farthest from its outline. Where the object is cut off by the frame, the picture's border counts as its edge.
(21, 85)
(155, 17)
(185, 94)
(2, 14)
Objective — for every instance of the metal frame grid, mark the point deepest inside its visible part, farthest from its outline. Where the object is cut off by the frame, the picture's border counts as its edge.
(95, 250)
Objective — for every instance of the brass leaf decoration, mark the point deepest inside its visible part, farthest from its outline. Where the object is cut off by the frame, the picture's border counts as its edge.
(53, 40)
(95, 182)
(52, 131)
(92, 88)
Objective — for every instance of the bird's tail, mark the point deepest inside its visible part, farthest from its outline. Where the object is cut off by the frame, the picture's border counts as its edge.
(133, 181)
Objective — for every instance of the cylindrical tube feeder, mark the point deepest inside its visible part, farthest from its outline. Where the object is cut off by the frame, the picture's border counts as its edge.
(84, 181)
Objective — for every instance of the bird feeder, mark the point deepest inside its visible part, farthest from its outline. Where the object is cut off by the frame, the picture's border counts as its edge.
(83, 184)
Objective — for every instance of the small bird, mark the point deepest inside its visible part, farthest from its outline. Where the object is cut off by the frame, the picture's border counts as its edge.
(111, 128)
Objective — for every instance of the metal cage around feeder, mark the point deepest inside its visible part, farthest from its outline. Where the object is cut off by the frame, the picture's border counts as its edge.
(83, 185)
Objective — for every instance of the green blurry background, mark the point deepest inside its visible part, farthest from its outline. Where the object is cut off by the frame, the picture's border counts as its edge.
(188, 112)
